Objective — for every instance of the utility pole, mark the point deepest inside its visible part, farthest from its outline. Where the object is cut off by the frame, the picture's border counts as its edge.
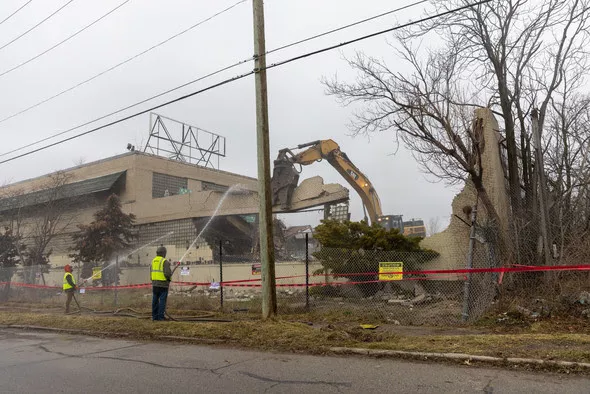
(542, 187)
(267, 253)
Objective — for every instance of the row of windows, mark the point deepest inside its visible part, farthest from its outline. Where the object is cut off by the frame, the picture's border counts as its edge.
(164, 185)
(180, 232)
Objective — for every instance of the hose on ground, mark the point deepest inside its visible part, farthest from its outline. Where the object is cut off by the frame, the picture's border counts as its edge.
(130, 312)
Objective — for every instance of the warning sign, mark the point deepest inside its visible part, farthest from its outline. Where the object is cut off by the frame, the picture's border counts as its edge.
(96, 273)
(390, 268)
(256, 269)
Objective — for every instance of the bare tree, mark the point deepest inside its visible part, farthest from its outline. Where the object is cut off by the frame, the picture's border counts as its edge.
(425, 110)
(50, 217)
(434, 226)
(516, 52)
(511, 56)
(80, 161)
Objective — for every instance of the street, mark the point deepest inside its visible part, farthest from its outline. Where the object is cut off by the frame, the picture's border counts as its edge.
(40, 362)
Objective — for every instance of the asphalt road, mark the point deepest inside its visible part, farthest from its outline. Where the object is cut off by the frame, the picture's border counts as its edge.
(39, 362)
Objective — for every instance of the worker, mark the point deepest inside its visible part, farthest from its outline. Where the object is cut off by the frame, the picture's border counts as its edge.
(69, 286)
(161, 275)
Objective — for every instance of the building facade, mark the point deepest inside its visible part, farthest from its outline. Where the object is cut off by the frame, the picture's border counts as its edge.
(173, 202)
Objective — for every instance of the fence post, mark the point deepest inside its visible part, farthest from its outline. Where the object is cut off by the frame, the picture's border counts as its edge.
(469, 265)
(221, 273)
(117, 281)
(307, 271)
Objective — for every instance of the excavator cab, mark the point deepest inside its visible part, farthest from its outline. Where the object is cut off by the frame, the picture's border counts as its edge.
(285, 179)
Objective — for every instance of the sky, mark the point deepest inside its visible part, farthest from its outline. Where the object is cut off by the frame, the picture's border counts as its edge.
(299, 109)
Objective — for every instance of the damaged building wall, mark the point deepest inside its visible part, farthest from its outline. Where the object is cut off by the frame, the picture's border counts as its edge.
(453, 242)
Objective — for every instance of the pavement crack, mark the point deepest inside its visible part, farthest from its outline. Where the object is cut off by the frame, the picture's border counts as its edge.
(215, 370)
(42, 347)
(272, 386)
(92, 355)
(153, 364)
(489, 389)
(281, 381)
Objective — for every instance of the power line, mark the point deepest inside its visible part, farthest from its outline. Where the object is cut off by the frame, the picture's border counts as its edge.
(65, 40)
(119, 64)
(224, 82)
(37, 25)
(236, 64)
(347, 26)
(124, 109)
(15, 12)
(235, 78)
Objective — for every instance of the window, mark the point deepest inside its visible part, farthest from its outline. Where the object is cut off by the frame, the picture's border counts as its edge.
(214, 187)
(164, 185)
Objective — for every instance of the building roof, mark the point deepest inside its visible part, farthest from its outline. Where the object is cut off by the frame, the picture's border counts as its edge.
(75, 189)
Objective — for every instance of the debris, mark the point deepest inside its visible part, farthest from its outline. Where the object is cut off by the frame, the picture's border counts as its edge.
(586, 313)
(524, 311)
(368, 326)
(396, 301)
(584, 298)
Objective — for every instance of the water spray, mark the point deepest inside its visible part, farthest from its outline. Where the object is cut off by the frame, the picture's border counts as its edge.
(231, 189)
(134, 251)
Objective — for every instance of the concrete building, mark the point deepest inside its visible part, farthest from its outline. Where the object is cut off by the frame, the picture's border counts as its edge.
(414, 228)
(172, 200)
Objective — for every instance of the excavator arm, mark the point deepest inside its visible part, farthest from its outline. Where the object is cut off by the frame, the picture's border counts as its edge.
(285, 176)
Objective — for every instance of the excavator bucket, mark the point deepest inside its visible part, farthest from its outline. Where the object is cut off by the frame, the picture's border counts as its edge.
(284, 180)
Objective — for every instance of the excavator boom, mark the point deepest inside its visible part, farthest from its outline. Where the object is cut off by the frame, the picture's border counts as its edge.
(286, 177)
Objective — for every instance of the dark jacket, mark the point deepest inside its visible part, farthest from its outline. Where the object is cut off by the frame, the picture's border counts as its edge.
(167, 274)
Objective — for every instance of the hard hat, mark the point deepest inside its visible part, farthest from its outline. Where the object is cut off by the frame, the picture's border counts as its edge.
(68, 268)
(161, 251)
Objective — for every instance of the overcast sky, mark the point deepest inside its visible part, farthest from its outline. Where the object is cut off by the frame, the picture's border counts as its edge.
(299, 109)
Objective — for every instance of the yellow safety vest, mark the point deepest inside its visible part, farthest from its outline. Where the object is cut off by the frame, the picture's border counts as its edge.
(67, 286)
(157, 269)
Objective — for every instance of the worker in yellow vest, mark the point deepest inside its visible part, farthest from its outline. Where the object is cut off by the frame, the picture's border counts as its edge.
(69, 286)
(161, 275)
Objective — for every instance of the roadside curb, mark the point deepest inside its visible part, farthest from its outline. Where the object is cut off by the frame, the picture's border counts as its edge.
(75, 331)
(457, 357)
(466, 358)
(65, 330)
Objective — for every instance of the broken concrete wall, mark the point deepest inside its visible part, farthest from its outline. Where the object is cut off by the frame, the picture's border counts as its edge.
(453, 242)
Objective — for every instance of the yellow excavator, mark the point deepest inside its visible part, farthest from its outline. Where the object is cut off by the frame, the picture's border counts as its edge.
(286, 177)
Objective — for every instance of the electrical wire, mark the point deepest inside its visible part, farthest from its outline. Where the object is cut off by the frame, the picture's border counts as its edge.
(241, 76)
(224, 82)
(347, 26)
(187, 83)
(121, 63)
(37, 25)
(64, 40)
(123, 109)
(15, 12)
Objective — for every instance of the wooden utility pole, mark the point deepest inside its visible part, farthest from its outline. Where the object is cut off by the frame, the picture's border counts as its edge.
(267, 253)
(542, 187)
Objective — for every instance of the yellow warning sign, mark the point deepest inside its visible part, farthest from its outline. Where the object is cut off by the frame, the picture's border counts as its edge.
(96, 273)
(390, 268)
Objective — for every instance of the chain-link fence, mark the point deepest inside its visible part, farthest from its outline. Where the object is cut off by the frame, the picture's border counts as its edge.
(332, 284)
